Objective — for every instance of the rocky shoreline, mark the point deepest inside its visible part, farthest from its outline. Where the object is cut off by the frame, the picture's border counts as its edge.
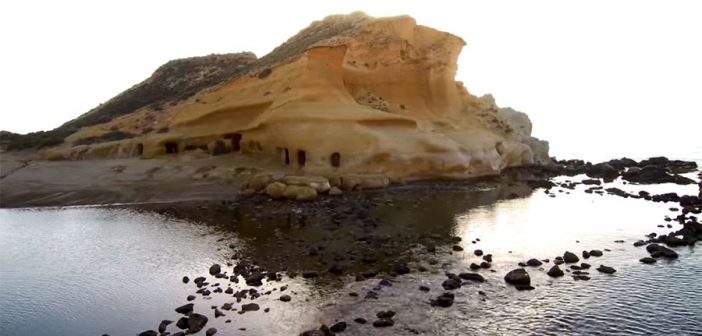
(349, 221)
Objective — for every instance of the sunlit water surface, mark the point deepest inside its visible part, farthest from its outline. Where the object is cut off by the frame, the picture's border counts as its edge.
(91, 271)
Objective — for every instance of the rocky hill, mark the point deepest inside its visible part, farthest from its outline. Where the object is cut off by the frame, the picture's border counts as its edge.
(172, 82)
(348, 94)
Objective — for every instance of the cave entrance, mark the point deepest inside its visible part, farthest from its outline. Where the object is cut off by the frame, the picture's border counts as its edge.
(301, 158)
(219, 148)
(336, 159)
(139, 149)
(236, 141)
(171, 147)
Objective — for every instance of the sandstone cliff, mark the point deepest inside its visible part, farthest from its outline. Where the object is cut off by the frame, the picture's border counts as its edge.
(349, 94)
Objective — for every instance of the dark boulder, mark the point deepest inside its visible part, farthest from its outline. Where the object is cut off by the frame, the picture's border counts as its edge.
(182, 323)
(285, 298)
(518, 277)
(185, 309)
(648, 260)
(338, 327)
(472, 276)
(595, 253)
(163, 325)
(250, 307)
(661, 251)
(606, 269)
(555, 272)
(210, 332)
(196, 322)
(570, 257)
(443, 300)
(148, 333)
(215, 269)
(602, 170)
(534, 262)
(586, 254)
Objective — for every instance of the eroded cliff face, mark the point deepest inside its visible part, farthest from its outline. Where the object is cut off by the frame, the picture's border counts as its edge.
(349, 94)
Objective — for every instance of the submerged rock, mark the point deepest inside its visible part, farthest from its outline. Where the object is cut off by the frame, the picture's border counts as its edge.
(555, 272)
(570, 257)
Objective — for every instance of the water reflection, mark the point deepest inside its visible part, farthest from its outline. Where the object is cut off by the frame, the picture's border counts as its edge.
(88, 271)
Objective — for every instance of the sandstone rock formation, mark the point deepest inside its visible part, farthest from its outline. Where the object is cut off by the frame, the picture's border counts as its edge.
(350, 94)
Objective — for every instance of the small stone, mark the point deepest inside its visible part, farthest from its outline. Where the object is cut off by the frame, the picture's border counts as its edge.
(186, 279)
(596, 253)
(534, 262)
(606, 269)
(185, 309)
(455, 248)
(210, 332)
(250, 307)
(443, 300)
(285, 298)
(555, 272)
(518, 277)
(478, 252)
(215, 269)
(570, 257)
(385, 314)
(360, 320)
(648, 260)
(338, 327)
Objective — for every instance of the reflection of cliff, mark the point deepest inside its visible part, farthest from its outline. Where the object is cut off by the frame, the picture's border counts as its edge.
(357, 232)
(349, 94)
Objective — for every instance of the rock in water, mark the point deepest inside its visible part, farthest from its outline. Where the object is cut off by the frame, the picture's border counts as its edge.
(647, 260)
(518, 277)
(472, 276)
(250, 307)
(570, 257)
(148, 333)
(443, 300)
(555, 272)
(210, 332)
(196, 322)
(163, 325)
(215, 269)
(661, 251)
(338, 327)
(185, 309)
(606, 269)
(534, 262)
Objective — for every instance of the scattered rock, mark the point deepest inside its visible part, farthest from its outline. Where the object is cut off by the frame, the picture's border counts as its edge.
(210, 332)
(148, 333)
(443, 300)
(518, 277)
(185, 309)
(457, 248)
(534, 262)
(196, 322)
(555, 272)
(215, 269)
(285, 298)
(570, 257)
(163, 325)
(661, 251)
(338, 327)
(606, 269)
(647, 260)
(250, 307)
(595, 253)
(360, 320)
(472, 276)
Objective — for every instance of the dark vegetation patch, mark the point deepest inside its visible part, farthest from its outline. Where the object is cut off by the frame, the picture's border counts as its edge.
(110, 136)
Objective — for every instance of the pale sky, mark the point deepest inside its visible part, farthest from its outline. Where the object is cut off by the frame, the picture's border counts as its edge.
(618, 71)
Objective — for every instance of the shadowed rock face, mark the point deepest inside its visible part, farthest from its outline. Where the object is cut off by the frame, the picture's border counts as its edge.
(348, 94)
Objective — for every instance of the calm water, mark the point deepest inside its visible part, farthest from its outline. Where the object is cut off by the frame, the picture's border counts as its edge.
(89, 271)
